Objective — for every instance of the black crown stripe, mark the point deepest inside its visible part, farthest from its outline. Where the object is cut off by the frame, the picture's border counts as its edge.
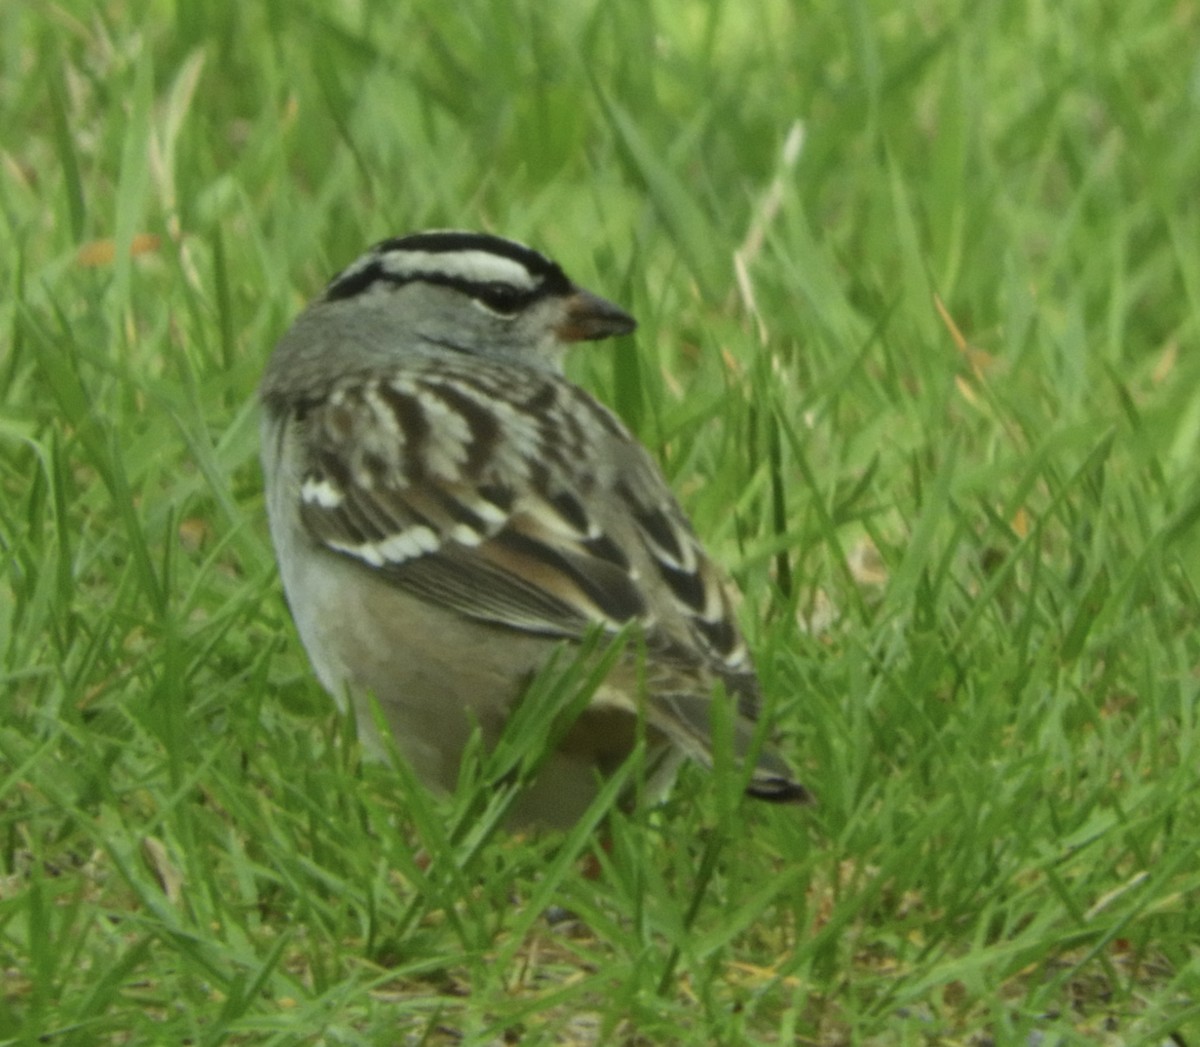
(501, 298)
(551, 279)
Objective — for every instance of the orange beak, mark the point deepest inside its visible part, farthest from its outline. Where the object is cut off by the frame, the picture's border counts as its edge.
(590, 317)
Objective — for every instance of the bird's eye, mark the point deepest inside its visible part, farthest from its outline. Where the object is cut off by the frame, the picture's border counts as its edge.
(501, 298)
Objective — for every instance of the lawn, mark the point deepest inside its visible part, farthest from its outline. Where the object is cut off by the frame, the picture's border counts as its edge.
(919, 349)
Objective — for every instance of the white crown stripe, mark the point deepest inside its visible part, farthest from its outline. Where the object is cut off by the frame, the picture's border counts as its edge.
(479, 267)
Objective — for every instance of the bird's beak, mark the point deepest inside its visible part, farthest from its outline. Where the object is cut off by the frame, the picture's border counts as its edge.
(588, 317)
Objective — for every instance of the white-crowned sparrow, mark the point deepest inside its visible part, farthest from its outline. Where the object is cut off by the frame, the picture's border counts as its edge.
(446, 507)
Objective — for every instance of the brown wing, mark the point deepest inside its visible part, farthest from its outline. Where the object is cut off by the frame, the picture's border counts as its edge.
(519, 501)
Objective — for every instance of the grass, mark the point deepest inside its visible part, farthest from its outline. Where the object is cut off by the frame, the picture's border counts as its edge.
(926, 379)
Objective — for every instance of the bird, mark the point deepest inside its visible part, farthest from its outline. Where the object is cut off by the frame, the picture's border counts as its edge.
(448, 509)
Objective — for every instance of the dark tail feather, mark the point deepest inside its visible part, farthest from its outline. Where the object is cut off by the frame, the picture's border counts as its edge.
(772, 777)
(779, 790)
